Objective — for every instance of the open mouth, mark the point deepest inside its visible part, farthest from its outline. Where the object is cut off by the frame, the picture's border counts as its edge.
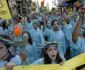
(56, 27)
(53, 55)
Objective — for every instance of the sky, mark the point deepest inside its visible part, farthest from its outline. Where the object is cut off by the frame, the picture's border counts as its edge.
(49, 2)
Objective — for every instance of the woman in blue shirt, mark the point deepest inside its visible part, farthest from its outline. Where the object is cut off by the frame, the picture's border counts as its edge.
(29, 50)
(30, 47)
(51, 55)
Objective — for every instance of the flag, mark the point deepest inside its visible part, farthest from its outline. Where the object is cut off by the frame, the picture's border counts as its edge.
(4, 11)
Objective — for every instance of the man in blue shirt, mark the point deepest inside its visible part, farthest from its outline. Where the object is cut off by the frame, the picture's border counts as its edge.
(7, 59)
(37, 38)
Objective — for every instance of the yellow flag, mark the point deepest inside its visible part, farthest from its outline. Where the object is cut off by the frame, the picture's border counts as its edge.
(4, 10)
(71, 64)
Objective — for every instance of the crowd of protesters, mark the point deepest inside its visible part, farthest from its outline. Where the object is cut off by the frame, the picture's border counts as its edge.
(49, 38)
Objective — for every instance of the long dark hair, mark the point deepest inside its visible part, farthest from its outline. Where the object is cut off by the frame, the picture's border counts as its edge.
(47, 59)
(30, 39)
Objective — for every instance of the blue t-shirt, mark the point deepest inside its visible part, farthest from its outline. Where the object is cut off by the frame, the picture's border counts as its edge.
(41, 61)
(78, 47)
(12, 58)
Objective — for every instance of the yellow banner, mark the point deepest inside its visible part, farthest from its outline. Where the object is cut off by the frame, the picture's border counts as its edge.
(68, 65)
(4, 11)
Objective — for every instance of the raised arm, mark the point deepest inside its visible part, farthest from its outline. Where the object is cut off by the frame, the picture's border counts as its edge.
(78, 25)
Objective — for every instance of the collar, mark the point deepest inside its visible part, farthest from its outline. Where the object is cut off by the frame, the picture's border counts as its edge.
(10, 57)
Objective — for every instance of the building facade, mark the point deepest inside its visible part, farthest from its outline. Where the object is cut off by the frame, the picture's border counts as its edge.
(19, 7)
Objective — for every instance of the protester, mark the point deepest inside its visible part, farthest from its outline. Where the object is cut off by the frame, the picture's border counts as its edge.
(37, 38)
(24, 59)
(78, 41)
(7, 59)
(30, 48)
(51, 55)
(59, 36)
(68, 37)
(29, 25)
(29, 34)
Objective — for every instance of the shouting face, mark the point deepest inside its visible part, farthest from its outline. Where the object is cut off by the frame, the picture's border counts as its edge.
(52, 52)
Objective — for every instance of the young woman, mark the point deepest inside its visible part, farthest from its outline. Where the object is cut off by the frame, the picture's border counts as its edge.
(29, 49)
(51, 55)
